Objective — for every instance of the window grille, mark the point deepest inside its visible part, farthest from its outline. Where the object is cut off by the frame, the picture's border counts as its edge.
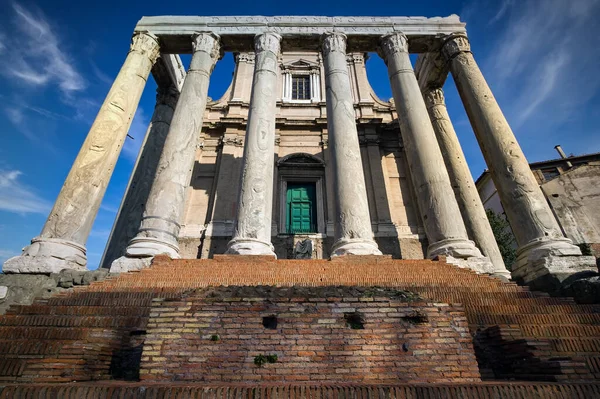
(301, 87)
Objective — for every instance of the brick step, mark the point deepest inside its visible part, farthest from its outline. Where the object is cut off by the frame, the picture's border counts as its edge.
(70, 321)
(116, 310)
(114, 389)
(536, 319)
(45, 333)
(533, 309)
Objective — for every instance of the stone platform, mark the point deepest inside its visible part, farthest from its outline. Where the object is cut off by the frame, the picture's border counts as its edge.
(442, 331)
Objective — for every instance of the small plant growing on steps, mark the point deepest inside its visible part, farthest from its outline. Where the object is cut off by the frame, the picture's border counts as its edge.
(214, 338)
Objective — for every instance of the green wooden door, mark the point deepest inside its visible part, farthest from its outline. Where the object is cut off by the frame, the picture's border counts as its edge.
(301, 208)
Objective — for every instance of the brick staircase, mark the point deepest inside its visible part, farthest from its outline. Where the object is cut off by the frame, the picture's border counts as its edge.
(101, 331)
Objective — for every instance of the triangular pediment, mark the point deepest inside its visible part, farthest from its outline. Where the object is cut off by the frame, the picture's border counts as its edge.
(300, 64)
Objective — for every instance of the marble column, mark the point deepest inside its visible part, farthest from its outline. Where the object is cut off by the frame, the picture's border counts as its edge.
(469, 202)
(353, 232)
(542, 249)
(61, 244)
(441, 216)
(159, 228)
(252, 227)
(134, 201)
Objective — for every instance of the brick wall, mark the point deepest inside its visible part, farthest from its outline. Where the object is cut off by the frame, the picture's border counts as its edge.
(216, 337)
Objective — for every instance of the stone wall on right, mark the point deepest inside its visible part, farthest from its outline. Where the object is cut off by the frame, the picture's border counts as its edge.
(575, 199)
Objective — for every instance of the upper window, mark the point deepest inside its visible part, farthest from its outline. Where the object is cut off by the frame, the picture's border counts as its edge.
(301, 82)
(301, 87)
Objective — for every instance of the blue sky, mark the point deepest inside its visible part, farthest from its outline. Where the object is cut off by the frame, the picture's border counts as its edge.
(58, 59)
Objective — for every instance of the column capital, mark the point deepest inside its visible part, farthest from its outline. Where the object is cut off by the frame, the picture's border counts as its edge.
(333, 42)
(147, 44)
(245, 57)
(167, 95)
(207, 42)
(433, 97)
(454, 45)
(392, 43)
(267, 41)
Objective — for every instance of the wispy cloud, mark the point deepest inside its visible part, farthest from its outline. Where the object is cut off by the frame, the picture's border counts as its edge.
(543, 59)
(34, 55)
(7, 253)
(19, 198)
(102, 77)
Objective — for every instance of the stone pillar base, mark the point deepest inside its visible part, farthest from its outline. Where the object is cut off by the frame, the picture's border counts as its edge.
(250, 246)
(48, 255)
(142, 247)
(454, 247)
(548, 264)
(355, 247)
(479, 264)
(125, 264)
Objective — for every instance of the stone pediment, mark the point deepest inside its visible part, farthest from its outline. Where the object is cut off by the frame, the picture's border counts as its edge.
(300, 158)
(300, 64)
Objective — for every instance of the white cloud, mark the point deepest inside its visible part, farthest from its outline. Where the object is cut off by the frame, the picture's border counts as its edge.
(14, 114)
(34, 55)
(7, 253)
(18, 198)
(543, 63)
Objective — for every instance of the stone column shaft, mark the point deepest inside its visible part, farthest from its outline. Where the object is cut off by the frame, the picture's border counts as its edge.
(353, 232)
(439, 210)
(134, 201)
(469, 202)
(159, 228)
(537, 232)
(61, 244)
(252, 231)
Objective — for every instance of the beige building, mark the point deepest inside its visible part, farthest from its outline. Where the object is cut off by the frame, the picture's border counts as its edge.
(303, 183)
(571, 185)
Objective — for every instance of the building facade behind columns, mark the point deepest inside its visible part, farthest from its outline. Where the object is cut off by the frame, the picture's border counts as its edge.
(303, 193)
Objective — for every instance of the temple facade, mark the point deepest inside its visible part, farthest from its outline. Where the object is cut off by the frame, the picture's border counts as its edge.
(299, 158)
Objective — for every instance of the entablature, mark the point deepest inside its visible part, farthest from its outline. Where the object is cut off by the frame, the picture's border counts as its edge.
(299, 32)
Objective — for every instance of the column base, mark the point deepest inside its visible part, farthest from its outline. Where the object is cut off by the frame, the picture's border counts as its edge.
(454, 247)
(548, 264)
(144, 247)
(125, 264)
(249, 246)
(48, 255)
(479, 264)
(355, 247)
(140, 252)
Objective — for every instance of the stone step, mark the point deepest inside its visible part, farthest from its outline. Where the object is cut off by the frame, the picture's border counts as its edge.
(114, 389)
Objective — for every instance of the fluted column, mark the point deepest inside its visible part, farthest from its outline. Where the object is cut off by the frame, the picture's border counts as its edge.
(444, 226)
(159, 227)
(542, 247)
(252, 228)
(134, 201)
(61, 244)
(469, 202)
(353, 233)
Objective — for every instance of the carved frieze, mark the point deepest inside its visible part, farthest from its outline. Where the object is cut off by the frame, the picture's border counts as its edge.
(147, 44)
(234, 141)
(368, 140)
